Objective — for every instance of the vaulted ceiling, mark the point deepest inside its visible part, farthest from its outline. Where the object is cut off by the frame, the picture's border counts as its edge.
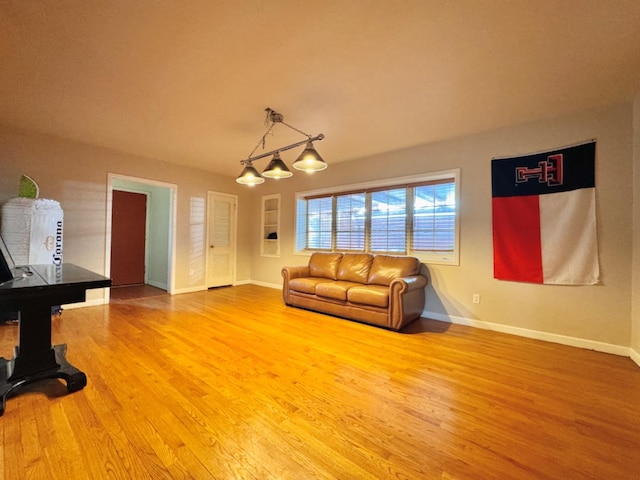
(188, 81)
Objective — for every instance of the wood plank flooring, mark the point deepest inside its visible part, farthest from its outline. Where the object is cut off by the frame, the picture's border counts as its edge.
(131, 292)
(232, 384)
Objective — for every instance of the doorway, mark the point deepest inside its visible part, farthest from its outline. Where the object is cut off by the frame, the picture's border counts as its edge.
(158, 254)
(221, 239)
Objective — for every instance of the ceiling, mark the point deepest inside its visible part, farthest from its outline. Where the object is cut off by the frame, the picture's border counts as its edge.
(188, 81)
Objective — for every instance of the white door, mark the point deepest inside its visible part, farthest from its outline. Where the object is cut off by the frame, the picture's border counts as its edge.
(221, 239)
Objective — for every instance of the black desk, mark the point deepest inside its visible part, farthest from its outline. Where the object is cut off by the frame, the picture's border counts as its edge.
(33, 296)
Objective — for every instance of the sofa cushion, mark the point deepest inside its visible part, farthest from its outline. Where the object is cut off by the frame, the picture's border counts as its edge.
(336, 290)
(324, 265)
(375, 295)
(354, 267)
(306, 285)
(387, 267)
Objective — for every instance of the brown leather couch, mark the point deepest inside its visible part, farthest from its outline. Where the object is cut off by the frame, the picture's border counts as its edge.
(382, 290)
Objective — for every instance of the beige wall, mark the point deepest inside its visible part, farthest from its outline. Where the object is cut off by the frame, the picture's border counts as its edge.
(76, 175)
(597, 314)
(635, 319)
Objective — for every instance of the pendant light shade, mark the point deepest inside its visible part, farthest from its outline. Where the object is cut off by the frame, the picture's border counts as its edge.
(310, 160)
(249, 176)
(276, 168)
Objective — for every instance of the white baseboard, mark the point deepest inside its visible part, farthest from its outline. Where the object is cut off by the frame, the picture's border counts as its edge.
(536, 334)
(635, 356)
(87, 303)
(199, 288)
(277, 286)
(160, 285)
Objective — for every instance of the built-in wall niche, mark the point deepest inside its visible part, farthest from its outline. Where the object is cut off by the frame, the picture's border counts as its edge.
(270, 231)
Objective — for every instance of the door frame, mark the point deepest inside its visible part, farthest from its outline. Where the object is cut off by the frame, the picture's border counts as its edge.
(234, 233)
(173, 195)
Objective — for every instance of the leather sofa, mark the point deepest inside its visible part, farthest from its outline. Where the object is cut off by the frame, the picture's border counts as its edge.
(383, 290)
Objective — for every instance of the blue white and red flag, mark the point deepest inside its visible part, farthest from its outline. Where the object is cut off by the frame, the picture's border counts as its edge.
(544, 217)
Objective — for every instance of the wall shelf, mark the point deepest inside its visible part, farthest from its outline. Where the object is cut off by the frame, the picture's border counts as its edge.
(270, 229)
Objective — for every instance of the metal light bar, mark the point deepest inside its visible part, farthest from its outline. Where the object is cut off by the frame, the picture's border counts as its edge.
(283, 149)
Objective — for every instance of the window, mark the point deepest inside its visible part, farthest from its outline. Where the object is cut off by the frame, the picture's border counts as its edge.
(415, 216)
(434, 217)
(319, 224)
(350, 221)
(389, 221)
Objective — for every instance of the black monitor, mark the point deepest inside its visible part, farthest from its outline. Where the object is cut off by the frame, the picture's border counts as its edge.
(7, 266)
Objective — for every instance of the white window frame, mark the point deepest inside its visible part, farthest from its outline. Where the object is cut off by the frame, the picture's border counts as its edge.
(435, 258)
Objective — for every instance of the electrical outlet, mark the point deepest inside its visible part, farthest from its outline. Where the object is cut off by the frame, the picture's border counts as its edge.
(476, 298)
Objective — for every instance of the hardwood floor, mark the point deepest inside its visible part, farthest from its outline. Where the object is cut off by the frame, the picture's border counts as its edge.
(130, 292)
(232, 384)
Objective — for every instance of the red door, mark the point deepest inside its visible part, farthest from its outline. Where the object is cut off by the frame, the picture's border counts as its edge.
(128, 229)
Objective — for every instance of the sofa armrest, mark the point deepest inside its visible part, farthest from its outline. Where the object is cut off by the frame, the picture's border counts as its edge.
(289, 273)
(295, 272)
(406, 300)
(407, 284)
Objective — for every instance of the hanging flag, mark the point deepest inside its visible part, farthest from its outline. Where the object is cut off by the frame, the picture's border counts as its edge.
(544, 217)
